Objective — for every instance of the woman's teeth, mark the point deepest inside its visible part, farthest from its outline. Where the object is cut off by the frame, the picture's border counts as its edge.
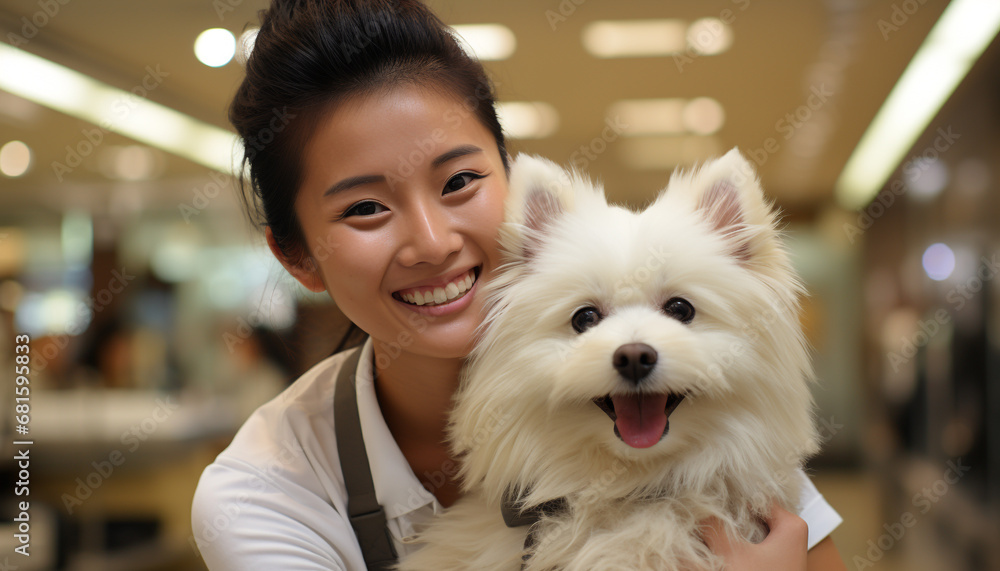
(444, 294)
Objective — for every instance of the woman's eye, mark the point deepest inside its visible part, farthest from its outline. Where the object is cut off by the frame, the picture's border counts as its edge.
(460, 181)
(365, 208)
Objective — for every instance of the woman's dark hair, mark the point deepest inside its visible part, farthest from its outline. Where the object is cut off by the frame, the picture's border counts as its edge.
(311, 54)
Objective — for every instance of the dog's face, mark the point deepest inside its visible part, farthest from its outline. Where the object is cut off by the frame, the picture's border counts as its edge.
(644, 335)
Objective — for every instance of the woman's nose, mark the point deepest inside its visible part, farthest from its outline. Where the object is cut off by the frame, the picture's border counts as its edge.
(429, 236)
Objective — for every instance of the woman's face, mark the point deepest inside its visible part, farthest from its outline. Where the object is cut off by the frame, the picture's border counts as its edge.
(400, 204)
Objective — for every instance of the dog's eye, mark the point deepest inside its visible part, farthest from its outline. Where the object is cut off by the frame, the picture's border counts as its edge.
(585, 318)
(679, 309)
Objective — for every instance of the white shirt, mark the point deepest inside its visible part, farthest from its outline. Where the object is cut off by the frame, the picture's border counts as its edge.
(275, 498)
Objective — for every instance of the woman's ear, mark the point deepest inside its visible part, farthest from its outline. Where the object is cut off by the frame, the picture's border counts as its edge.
(304, 270)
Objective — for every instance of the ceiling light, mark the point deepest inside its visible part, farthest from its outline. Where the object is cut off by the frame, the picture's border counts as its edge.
(116, 110)
(703, 116)
(215, 47)
(527, 119)
(665, 153)
(954, 43)
(650, 116)
(15, 159)
(623, 38)
(487, 42)
(669, 116)
(709, 36)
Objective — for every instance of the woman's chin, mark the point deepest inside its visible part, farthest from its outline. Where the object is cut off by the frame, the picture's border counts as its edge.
(453, 343)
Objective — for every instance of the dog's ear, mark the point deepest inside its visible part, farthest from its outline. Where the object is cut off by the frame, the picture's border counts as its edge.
(731, 198)
(540, 192)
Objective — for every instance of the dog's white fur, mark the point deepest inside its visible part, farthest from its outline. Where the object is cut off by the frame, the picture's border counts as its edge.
(524, 419)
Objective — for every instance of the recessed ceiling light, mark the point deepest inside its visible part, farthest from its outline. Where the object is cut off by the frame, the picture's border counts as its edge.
(15, 159)
(630, 38)
(527, 119)
(665, 153)
(703, 116)
(669, 116)
(650, 116)
(487, 42)
(709, 36)
(215, 47)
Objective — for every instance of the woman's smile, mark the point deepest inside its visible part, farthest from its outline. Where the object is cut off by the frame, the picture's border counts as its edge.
(439, 291)
(441, 297)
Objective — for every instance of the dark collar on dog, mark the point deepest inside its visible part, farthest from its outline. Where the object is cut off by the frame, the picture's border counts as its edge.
(516, 516)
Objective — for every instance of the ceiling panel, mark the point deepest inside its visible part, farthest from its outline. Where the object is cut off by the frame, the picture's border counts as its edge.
(786, 55)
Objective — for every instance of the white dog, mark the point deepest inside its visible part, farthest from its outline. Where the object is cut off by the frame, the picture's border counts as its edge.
(637, 373)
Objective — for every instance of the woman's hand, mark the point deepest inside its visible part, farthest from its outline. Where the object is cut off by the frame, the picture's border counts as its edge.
(784, 548)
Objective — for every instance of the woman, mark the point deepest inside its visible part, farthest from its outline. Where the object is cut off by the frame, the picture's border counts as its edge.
(389, 180)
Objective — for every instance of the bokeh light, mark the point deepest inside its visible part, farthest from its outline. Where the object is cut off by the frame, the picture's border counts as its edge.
(939, 261)
(215, 47)
(15, 159)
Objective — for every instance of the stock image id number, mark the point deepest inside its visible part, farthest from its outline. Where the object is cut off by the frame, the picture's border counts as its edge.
(22, 391)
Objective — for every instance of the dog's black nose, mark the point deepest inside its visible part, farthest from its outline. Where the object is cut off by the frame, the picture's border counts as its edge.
(634, 361)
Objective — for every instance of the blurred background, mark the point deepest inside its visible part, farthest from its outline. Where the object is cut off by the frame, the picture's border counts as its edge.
(158, 321)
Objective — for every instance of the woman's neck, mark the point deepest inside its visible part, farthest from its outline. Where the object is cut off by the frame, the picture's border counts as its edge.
(415, 395)
(415, 392)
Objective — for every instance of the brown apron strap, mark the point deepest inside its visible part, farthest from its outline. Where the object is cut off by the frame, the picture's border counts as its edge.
(366, 515)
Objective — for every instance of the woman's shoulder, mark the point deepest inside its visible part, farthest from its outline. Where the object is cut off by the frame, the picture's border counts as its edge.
(280, 472)
(292, 419)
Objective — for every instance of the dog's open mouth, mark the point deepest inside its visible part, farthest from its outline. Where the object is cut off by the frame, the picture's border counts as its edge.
(641, 420)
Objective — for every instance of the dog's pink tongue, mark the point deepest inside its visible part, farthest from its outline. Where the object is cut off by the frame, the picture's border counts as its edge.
(640, 418)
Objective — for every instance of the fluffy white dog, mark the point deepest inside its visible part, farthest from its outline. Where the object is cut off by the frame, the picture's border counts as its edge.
(637, 373)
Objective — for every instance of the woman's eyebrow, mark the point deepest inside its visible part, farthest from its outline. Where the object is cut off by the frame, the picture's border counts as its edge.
(459, 151)
(353, 181)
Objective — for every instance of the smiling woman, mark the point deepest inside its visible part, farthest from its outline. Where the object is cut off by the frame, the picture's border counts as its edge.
(419, 235)
(385, 189)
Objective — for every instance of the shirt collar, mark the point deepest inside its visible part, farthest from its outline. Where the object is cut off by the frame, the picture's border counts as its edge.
(397, 488)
